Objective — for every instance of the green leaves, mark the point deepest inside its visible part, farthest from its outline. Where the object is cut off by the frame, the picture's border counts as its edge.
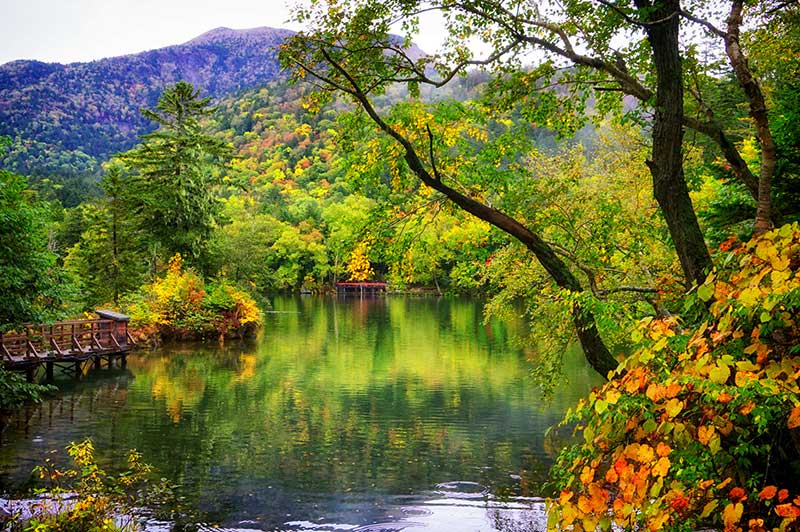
(32, 284)
(174, 173)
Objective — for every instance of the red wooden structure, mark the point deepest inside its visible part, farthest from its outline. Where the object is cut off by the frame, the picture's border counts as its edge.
(360, 288)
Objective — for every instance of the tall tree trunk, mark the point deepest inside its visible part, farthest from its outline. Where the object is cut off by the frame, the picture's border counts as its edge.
(758, 112)
(666, 167)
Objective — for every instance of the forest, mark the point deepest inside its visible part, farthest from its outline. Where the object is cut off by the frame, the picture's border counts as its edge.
(625, 175)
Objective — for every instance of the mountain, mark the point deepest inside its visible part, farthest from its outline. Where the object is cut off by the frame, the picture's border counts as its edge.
(65, 118)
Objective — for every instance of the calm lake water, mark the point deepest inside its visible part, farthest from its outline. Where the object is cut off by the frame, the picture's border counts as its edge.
(345, 414)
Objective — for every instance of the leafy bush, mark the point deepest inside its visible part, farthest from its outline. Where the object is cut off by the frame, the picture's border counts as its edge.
(180, 305)
(16, 391)
(700, 427)
(101, 502)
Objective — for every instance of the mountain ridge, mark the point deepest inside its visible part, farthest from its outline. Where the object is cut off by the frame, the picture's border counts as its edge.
(91, 108)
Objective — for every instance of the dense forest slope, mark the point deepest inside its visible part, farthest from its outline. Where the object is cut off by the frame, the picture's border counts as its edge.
(66, 118)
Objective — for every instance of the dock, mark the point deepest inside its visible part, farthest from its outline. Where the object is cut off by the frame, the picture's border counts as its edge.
(67, 345)
(352, 288)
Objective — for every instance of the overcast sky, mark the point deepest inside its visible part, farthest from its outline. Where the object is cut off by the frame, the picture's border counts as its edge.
(65, 31)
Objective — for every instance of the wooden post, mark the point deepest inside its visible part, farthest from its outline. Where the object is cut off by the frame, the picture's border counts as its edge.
(55, 346)
(31, 350)
(49, 370)
(29, 373)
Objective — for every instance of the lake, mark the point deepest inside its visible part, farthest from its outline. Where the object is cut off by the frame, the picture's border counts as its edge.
(386, 413)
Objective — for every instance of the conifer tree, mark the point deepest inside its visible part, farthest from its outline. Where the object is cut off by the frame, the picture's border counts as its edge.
(175, 169)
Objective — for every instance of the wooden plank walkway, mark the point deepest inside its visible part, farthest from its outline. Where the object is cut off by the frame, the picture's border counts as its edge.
(66, 343)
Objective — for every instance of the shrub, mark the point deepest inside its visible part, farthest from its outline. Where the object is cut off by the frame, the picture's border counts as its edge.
(85, 498)
(15, 391)
(699, 427)
(181, 306)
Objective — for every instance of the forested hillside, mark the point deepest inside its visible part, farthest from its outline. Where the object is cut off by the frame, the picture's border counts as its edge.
(622, 175)
(65, 120)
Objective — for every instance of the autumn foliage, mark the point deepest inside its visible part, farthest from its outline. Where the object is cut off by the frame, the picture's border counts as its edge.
(180, 305)
(700, 426)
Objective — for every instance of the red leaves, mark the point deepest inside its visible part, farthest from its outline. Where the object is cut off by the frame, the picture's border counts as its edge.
(679, 503)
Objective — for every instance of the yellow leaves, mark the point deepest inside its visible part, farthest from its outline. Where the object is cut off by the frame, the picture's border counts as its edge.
(645, 454)
(673, 407)
(359, 266)
(708, 508)
(612, 396)
(587, 475)
(731, 516)
(662, 467)
(719, 373)
(175, 264)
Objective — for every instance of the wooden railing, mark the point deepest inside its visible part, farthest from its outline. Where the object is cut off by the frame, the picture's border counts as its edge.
(71, 340)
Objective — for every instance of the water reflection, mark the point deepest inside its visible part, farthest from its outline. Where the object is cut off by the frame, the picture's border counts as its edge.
(347, 412)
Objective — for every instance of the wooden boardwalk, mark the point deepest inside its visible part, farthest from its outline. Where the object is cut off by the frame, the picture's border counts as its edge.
(67, 344)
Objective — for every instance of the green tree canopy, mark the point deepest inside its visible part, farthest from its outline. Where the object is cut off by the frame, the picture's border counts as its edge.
(31, 282)
(175, 169)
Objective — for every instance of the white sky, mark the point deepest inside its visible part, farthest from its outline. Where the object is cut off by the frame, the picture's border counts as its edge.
(65, 31)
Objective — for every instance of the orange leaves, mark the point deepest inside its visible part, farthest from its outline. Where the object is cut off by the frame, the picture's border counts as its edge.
(704, 434)
(794, 418)
(656, 392)
(788, 510)
(768, 492)
(737, 494)
(663, 449)
(678, 501)
(695, 401)
(635, 380)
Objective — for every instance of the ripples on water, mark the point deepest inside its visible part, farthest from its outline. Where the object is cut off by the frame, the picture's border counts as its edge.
(373, 415)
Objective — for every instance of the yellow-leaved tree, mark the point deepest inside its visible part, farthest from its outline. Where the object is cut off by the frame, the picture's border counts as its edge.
(359, 266)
